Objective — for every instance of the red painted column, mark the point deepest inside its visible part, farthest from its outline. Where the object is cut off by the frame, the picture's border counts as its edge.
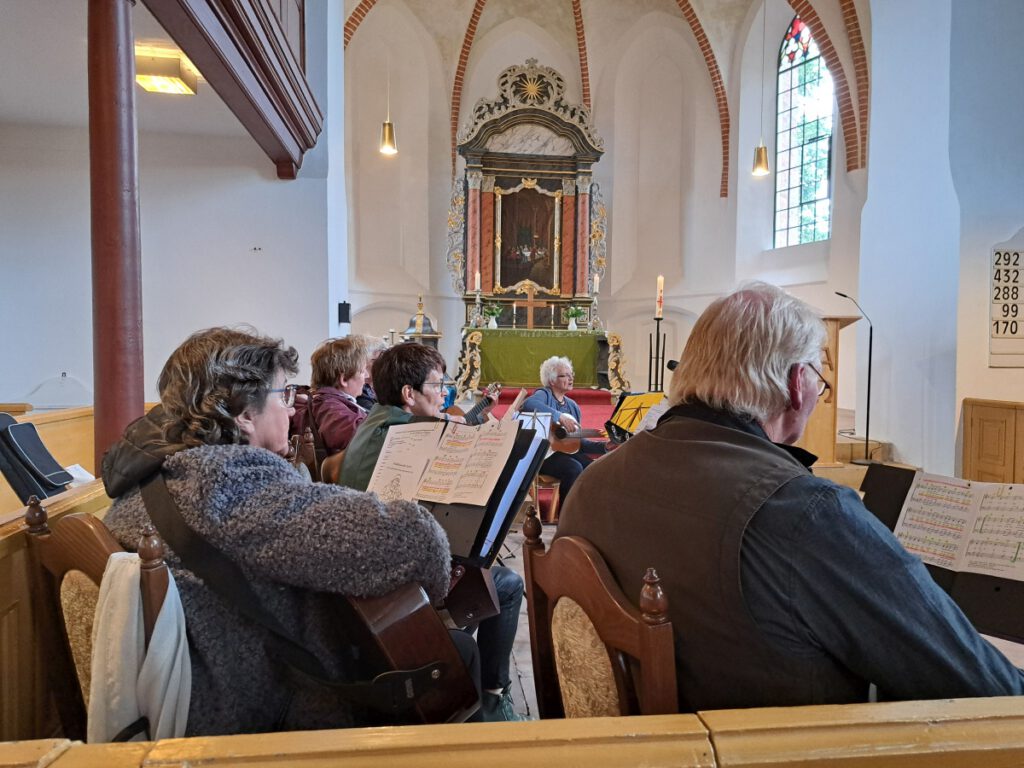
(487, 237)
(568, 265)
(473, 228)
(114, 191)
(582, 233)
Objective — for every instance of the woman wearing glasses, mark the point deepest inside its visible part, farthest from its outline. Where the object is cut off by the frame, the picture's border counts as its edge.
(557, 378)
(218, 438)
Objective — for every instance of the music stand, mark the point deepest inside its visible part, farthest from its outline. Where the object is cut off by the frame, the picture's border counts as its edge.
(629, 413)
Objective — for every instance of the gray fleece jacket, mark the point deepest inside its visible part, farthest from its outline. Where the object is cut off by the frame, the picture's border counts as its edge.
(301, 544)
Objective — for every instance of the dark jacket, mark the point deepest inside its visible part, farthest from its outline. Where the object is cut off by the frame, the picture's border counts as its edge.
(783, 589)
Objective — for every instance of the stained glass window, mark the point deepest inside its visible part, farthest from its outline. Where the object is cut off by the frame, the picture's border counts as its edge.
(803, 146)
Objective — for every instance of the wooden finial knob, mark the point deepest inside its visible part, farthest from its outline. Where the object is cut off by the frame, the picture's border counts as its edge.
(531, 526)
(653, 603)
(151, 548)
(36, 517)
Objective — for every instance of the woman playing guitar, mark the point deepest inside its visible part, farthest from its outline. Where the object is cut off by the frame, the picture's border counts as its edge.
(556, 378)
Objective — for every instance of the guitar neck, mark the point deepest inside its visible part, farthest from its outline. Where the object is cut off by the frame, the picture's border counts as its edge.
(563, 434)
(484, 402)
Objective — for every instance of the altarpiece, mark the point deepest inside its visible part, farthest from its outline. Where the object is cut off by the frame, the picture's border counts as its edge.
(526, 226)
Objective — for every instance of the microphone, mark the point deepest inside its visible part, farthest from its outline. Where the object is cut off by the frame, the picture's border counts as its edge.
(867, 413)
(672, 364)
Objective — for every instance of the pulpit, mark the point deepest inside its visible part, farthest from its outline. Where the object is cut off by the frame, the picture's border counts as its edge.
(820, 435)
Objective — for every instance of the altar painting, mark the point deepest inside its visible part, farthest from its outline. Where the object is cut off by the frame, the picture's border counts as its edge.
(528, 220)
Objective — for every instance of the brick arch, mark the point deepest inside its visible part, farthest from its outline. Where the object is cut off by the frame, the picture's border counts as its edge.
(847, 116)
(460, 71)
(716, 82)
(581, 44)
(860, 72)
(467, 44)
(356, 18)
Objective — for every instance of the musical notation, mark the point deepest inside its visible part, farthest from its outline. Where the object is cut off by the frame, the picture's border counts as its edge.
(965, 526)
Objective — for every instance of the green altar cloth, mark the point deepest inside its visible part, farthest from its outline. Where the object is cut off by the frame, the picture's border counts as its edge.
(513, 356)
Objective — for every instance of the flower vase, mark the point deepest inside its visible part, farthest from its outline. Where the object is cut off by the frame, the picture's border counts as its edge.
(492, 323)
(572, 324)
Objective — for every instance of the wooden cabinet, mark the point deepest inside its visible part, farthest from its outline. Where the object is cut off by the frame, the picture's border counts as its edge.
(820, 434)
(993, 441)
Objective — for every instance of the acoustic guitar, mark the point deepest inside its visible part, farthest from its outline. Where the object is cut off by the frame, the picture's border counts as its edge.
(486, 402)
(564, 441)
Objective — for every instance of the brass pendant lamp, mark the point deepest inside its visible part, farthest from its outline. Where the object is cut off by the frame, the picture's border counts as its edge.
(388, 143)
(761, 151)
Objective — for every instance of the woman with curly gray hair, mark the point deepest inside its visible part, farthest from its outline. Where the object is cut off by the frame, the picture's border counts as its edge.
(218, 437)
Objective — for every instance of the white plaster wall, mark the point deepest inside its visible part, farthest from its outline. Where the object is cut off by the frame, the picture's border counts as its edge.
(986, 115)
(45, 295)
(813, 271)
(910, 233)
(397, 214)
(513, 42)
(223, 242)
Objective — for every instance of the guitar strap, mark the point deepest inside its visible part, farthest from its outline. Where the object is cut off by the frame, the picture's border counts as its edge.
(392, 691)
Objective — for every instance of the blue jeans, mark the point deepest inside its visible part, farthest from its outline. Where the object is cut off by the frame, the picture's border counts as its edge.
(496, 635)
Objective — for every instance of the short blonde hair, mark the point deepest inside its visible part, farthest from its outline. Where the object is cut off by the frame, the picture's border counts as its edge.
(741, 350)
(335, 359)
(549, 369)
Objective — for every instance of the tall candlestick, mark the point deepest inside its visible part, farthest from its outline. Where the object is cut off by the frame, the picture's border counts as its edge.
(477, 284)
(597, 283)
(513, 314)
(660, 303)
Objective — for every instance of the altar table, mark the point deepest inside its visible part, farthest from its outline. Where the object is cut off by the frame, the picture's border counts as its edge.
(513, 356)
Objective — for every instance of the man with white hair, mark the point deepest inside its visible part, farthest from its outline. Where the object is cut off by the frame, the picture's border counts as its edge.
(783, 588)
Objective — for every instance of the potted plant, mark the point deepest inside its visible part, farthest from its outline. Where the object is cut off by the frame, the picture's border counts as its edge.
(574, 314)
(492, 312)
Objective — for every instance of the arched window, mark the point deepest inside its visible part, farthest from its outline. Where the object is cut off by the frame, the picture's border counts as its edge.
(803, 141)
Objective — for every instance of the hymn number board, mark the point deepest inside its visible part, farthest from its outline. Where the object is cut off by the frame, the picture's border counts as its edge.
(1006, 309)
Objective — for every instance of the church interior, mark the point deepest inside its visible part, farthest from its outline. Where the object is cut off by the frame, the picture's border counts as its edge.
(578, 170)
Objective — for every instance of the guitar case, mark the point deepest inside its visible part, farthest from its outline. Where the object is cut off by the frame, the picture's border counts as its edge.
(25, 462)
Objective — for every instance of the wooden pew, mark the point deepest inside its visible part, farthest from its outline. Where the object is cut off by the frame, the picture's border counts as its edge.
(67, 434)
(25, 708)
(939, 734)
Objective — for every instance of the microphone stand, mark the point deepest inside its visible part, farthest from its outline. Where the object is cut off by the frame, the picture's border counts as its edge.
(867, 415)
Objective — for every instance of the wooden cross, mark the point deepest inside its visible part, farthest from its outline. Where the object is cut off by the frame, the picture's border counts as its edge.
(531, 304)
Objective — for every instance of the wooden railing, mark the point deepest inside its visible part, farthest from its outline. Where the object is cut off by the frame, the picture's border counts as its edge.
(958, 733)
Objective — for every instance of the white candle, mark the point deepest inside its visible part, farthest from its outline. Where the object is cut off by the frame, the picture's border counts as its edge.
(597, 283)
(478, 280)
(660, 303)
(513, 309)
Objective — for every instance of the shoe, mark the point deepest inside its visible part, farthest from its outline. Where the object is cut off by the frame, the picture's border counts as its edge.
(498, 708)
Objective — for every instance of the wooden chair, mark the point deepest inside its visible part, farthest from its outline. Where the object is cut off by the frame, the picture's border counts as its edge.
(594, 653)
(547, 483)
(72, 554)
(330, 470)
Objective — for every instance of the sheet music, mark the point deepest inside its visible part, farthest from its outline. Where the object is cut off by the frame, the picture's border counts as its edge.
(403, 458)
(964, 525)
(468, 463)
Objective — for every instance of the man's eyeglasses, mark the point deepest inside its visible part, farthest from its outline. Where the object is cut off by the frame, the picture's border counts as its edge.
(287, 394)
(823, 386)
(435, 385)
